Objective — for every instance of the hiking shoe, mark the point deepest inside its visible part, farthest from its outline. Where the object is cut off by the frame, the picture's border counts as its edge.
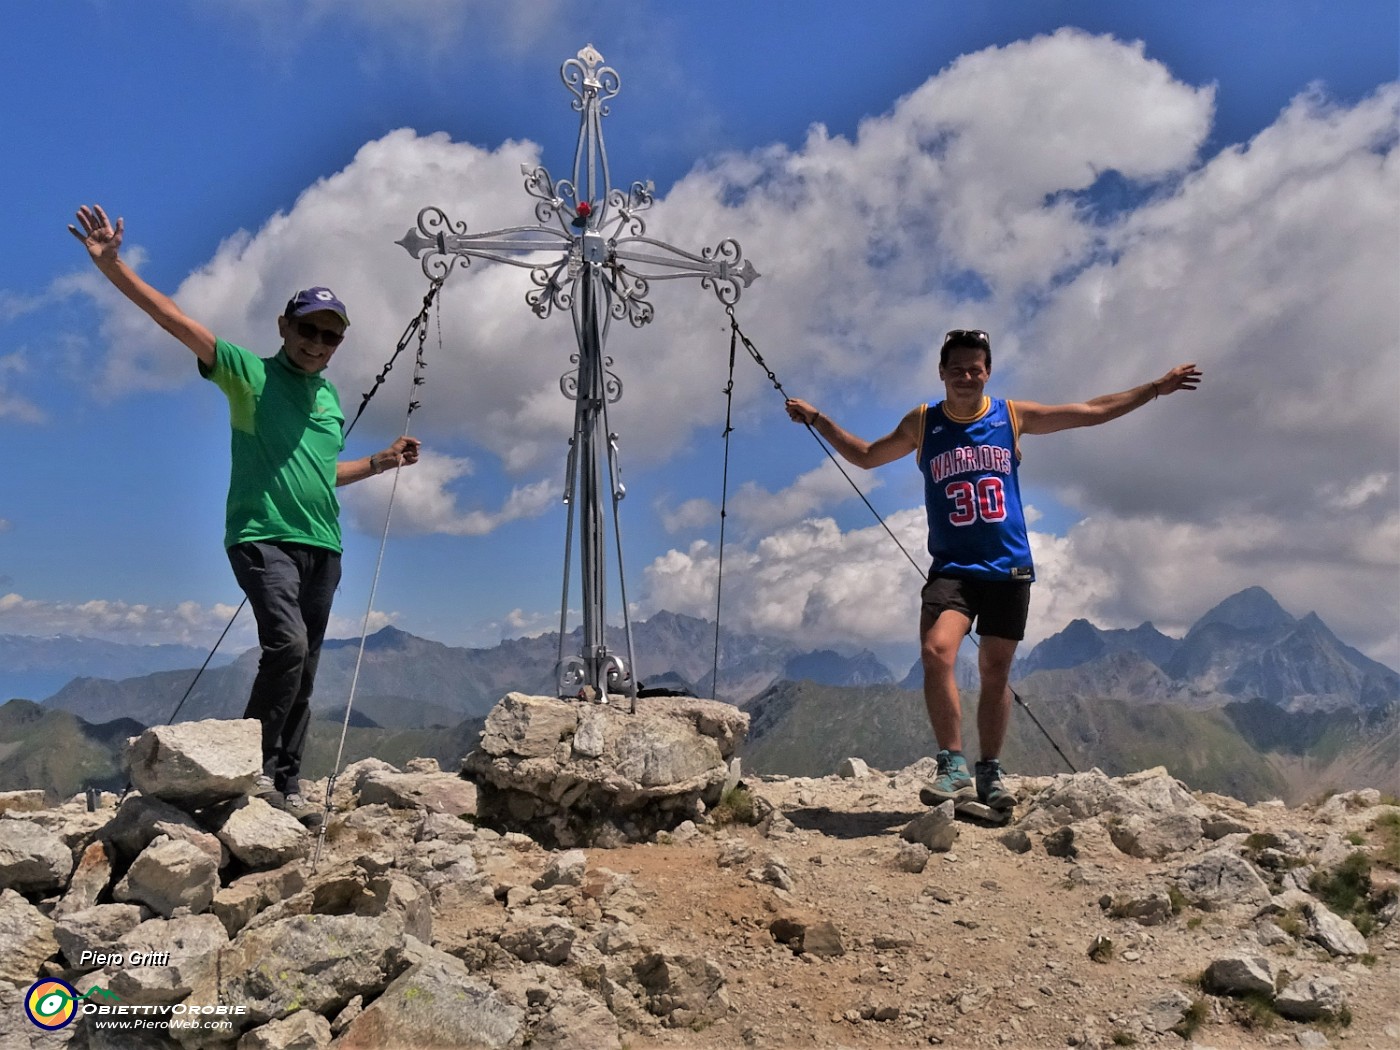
(263, 786)
(991, 790)
(951, 782)
(296, 805)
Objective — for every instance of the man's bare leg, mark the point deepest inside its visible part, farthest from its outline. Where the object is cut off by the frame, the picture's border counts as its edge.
(938, 652)
(994, 705)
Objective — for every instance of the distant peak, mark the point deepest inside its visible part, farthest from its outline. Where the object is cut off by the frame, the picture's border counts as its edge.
(1250, 609)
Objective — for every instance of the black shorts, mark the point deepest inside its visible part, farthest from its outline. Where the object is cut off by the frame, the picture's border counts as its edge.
(1000, 608)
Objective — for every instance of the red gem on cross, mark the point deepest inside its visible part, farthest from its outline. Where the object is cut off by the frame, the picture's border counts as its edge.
(584, 209)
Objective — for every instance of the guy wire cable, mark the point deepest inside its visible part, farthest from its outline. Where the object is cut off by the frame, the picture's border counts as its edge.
(419, 365)
(772, 378)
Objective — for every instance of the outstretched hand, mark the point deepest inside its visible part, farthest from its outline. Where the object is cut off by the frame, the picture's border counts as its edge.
(1182, 377)
(99, 236)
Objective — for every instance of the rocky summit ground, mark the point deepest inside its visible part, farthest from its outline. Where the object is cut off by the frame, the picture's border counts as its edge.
(806, 912)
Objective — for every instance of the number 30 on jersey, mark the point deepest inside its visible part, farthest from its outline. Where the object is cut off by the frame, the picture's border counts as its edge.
(985, 500)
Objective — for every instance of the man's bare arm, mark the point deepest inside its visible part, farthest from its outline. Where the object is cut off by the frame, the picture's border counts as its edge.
(1047, 419)
(103, 243)
(867, 455)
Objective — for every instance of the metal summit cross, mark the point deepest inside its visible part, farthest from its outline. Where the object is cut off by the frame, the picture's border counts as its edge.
(599, 268)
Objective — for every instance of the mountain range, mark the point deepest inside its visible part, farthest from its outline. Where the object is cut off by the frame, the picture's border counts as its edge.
(1251, 701)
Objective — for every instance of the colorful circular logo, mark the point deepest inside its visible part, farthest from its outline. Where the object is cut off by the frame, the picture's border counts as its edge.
(51, 1004)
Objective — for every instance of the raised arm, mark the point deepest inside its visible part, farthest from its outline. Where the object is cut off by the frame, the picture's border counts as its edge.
(1046, 419)
(103, 243)
(901, 441)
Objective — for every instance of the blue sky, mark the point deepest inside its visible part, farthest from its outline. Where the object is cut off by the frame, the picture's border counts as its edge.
(1109, 188)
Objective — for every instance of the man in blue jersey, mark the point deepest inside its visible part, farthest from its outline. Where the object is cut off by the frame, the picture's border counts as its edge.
(968, 451)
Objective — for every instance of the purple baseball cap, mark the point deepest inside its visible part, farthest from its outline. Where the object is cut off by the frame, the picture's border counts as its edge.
(311, 300)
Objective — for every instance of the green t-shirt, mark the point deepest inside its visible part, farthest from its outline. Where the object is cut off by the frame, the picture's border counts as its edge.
(286, 440)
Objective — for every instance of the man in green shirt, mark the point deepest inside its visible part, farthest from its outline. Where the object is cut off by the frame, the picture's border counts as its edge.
(283, 519)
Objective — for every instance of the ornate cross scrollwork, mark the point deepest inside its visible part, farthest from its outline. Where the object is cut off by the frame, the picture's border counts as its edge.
(589, 255)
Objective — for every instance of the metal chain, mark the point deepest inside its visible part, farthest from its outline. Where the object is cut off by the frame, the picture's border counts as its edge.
(419, 365)
(724, 498)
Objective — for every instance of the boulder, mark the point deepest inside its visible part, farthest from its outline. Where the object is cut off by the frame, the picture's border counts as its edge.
(90, 878)
(138, 822)
(1240, 975)
(1313, 999)
(436, 1003)
(303, 1030)
(262, 836)
(26, 939)
(1333, 932)
(170, 874)
(196, 764)
(313, 962)
(629, 777)
(32, 859)
(682, 990)
(193, 943)
(96, 929)
(434, 791)
(1221, 878)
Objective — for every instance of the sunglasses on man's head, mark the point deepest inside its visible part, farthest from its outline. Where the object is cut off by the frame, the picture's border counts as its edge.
(325, 336)
(960, 334)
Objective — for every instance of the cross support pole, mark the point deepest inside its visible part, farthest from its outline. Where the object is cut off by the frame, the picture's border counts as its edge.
(587, 253)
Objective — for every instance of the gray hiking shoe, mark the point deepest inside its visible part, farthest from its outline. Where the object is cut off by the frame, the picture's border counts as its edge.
(297, 806)
(264, 786)
(991, 790)
(951, 782)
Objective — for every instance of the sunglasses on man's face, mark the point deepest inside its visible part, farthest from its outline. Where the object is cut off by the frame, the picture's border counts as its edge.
(960, 334)
(325, 336)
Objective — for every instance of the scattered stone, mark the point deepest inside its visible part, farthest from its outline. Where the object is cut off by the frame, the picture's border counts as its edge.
(32, 859)
(936, 830)
(1016, 840)
(196, 763)
(566, 869)
(912, 857)
(1313, 999)
(1150, 909)
(1240, 975)
(681, 989)
(1156, 835)
(577, 1019)
(1333, 932)
(548, 942)
(823, 940)
(1221, 878)
(852, 768)
(1060, 843)
(1164, 1013)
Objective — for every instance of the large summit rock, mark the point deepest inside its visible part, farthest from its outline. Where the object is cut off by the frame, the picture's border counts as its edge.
(196, 763)
(575, 773)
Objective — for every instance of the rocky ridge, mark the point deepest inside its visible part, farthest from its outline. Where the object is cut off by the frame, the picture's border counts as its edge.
(830, 911)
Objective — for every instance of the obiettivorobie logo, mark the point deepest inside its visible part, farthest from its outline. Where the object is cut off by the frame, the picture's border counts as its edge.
(52, 1004)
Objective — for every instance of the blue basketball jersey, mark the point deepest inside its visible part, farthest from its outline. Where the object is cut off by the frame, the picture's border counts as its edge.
(976, 527)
